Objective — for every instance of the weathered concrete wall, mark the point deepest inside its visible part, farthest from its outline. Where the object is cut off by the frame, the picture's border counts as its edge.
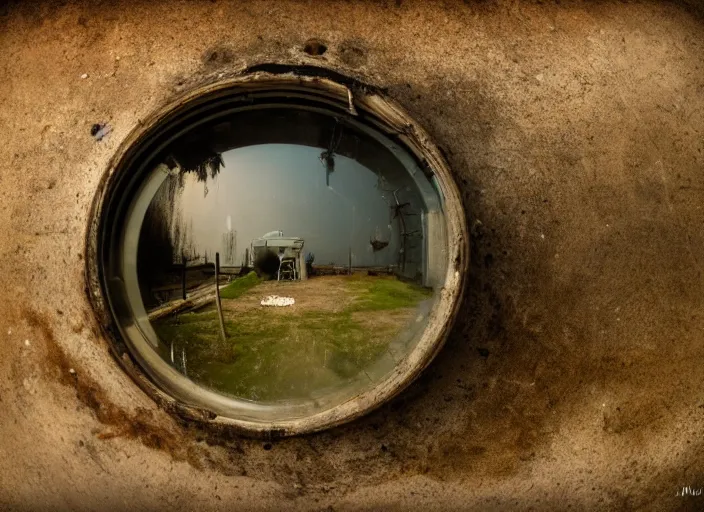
(574, 375)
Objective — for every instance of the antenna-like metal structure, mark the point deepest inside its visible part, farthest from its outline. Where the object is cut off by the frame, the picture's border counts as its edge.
(399, 212)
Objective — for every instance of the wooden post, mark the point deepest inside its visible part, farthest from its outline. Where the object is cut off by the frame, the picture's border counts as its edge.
(217, 297)
(183, 277)
(349, 271)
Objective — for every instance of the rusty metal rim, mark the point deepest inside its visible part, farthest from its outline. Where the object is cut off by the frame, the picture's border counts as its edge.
(388, 115)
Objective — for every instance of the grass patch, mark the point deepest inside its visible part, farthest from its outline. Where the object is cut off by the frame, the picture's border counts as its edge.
(270, 356)
(240, 286)
(379, 294)
(350, 345)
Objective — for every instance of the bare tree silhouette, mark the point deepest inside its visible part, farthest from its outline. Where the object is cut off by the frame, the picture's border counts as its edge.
(164, 239)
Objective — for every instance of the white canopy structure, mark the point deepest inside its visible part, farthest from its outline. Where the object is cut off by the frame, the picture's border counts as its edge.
(289, 250)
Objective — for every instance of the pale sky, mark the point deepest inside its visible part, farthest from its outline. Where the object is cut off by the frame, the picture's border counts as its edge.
(273, 187)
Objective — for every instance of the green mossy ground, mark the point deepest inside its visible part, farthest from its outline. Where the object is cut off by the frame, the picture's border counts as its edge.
(271, 357)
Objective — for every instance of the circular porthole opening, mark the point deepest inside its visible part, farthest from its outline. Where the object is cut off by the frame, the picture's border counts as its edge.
(283, 251)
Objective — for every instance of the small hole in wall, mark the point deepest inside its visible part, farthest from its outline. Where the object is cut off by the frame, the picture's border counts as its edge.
(315, 47)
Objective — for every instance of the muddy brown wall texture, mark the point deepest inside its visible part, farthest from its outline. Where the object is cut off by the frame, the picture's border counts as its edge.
(573, 377)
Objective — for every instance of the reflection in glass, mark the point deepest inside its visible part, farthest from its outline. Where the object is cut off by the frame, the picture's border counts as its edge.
(328, 244)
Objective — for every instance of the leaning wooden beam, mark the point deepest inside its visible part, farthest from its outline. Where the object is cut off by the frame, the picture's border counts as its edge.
(179, 306)
(217, 297)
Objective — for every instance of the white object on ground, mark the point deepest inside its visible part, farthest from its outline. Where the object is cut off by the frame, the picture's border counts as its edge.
(275, 300)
